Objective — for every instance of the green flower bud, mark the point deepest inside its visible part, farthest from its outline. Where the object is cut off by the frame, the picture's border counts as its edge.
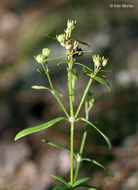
(71, 24)
(46, 52)
(61, 39)
(104, 61)
(92, 102)
(97, 60)
(40, 58)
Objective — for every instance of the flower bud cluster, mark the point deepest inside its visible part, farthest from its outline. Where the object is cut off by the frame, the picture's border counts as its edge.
(41, 58)
(69, 47)
(99, 61)
(65, 36)
(46, 52)
(61, 39)
(64, 39)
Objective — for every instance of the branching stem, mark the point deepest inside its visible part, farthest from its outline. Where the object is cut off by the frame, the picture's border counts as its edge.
(83, 97)
(52, 88)
(82, 142)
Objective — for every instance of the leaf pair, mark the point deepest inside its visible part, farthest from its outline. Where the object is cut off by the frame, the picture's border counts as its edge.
(78, 183)
(51, 143)
(52, 122)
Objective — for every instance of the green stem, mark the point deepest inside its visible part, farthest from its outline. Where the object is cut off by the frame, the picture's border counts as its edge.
(52, 88)
(49, 59)
(83, 97)
(85, 129)
(71, 153)
(82, 142)
(72, 121)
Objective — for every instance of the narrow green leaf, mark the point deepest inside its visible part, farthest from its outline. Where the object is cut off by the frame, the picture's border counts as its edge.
(85, 68)
(74, 78)
(45, 88)
(74, 74)
(60, 179)
(57, 92)
(105, 71)
(51, 36)
(61, 188)
(40, 87)
(89, 186)
(80, 181)
(62, 62)
(56, 145)
(102, 81)
(81, 42)
(82, 51)
(38, 128)
(104, 136)
(53, 58)
(98, 164)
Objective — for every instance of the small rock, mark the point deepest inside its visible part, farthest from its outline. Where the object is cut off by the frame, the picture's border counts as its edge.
(12, 154)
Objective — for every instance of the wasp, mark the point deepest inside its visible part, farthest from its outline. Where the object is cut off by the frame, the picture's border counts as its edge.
(77, 54)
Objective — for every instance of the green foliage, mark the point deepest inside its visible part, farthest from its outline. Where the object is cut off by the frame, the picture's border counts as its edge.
(81, 42)
(55, 145)
(89, 186)
(96, 128)
(102, 81)
(45, 88)
(51, 143)
(81, 181)
(61, 188)
(51, 36)
(38, 128)
(61, 180)
(72, 52)
(98, 164)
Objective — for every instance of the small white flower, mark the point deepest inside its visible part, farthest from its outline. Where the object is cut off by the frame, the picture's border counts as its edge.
(71, 24)
(104, 61)
(76, 44)
(97, 60)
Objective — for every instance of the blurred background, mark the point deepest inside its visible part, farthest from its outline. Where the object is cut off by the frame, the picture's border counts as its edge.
(113, 32)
